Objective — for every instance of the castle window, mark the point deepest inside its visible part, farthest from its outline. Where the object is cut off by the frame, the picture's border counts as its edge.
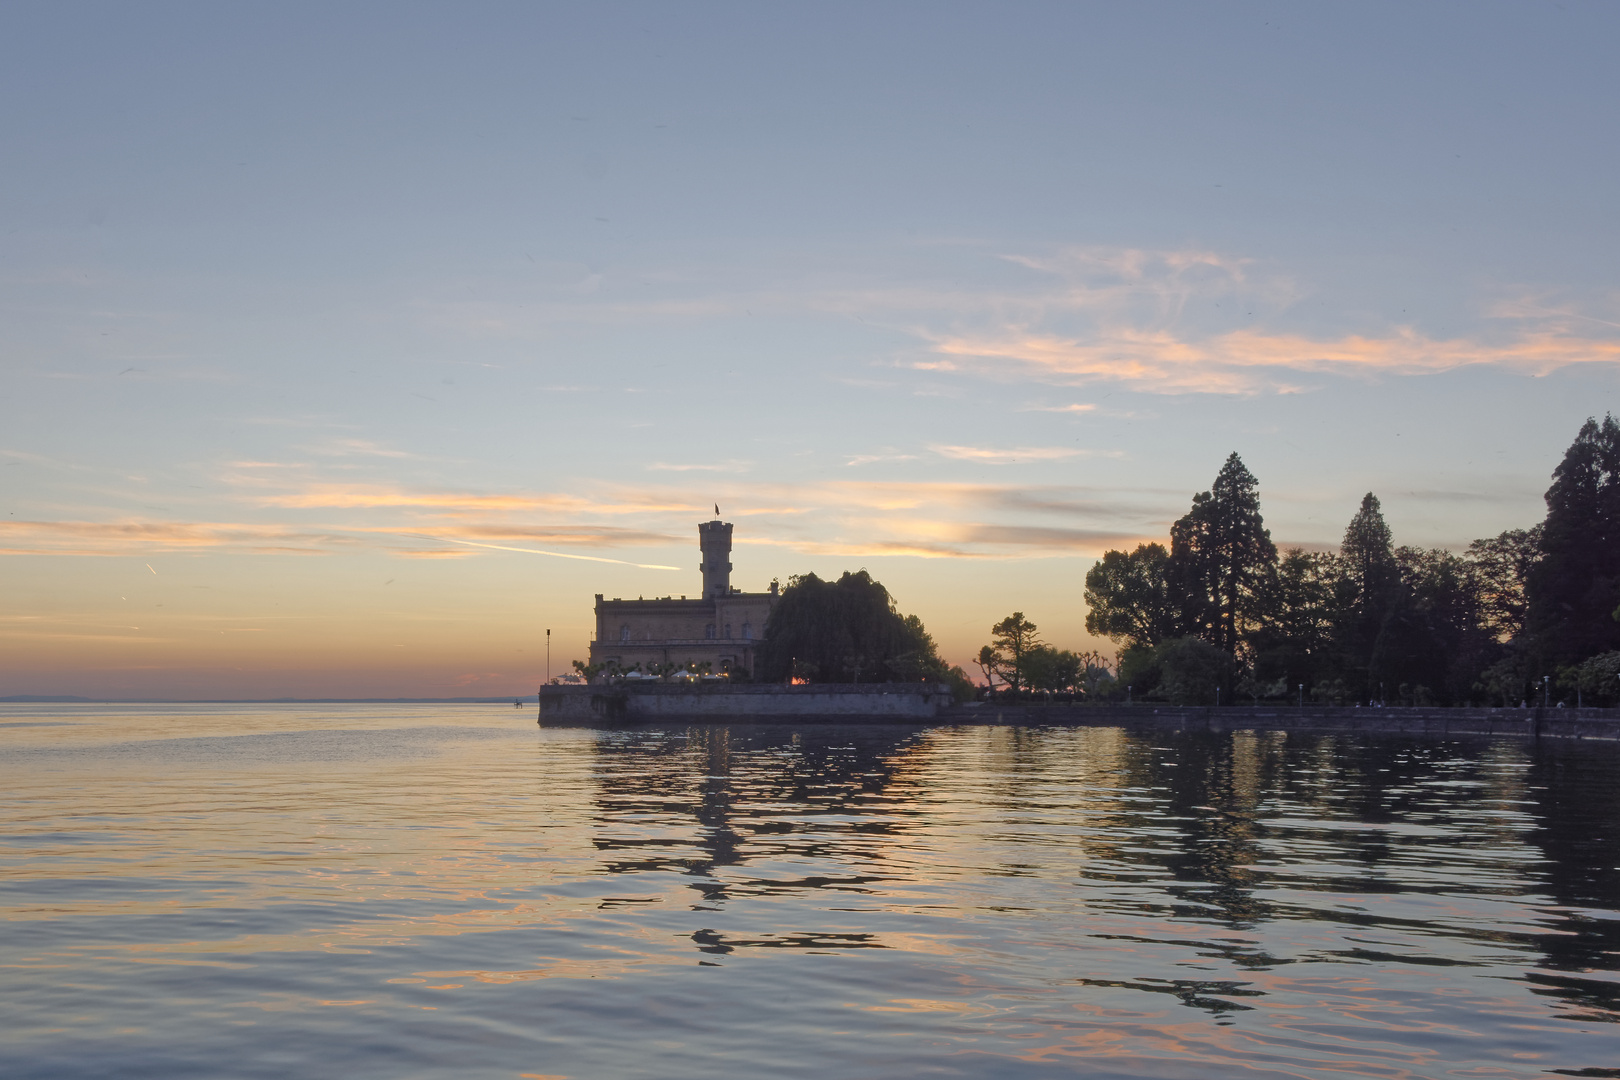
(748, 632)
(728, 631)
(708, 631)
(624, 633)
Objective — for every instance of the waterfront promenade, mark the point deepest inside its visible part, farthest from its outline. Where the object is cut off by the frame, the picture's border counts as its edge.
(927, 703)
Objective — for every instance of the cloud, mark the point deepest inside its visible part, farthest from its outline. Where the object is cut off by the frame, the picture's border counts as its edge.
(323, 495)
(720, 466)
(357, 448)
(1171, 321)
(989, 456)
(553, 554)
(1060, 408)
(140, 537)
(1179, 322)
(933, 519)
(1078, 540)
(593, 535)
(888, 455)
(1252, 361)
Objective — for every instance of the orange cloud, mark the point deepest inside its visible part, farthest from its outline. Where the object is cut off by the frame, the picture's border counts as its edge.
(990, 456)
(131, 537)
(1252, 361)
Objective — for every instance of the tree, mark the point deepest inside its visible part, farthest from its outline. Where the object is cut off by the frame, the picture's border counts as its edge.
(962, 687)
(1597, 679)
(844, 631)
(989, 663)
(1502, 566)
(1056, 670)
(607, 670)
(1222, 560)
(1293, 646)
(1368, 553)
(1128, 597)
(1433, 644)
(920, 662)
(1367, 588)
(1182, 671)
(1012, 640)
(1575, 586)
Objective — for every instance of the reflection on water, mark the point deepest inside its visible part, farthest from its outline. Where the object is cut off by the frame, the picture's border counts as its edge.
(423, 891)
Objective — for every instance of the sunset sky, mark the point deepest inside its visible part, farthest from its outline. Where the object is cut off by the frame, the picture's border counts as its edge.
(313, 312)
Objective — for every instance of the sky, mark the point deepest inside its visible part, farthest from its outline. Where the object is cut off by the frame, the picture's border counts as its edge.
(311, 314)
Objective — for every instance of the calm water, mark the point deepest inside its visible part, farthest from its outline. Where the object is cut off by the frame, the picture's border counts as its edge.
(415, 891)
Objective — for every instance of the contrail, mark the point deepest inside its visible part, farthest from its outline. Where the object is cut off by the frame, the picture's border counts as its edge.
(537, 551)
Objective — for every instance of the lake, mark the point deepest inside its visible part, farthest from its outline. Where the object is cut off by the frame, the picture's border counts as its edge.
(365, 891)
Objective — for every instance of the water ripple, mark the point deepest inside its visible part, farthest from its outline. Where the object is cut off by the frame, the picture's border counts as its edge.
(384, 891)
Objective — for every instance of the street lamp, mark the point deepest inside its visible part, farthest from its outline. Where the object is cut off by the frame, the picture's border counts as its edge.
(1302, 695)
(1545, 689)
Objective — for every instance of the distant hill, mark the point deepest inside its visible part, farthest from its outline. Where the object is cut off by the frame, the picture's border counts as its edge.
(43, 697)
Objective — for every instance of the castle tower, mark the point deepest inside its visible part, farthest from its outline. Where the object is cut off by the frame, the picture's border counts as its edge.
(714, 538)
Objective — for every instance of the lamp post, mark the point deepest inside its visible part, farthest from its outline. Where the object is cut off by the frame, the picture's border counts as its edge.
(1128, 690)
(1302, 695)
(1545, 689)
(548, 655)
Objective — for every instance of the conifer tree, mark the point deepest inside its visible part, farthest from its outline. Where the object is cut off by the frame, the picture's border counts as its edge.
(1575, 587)
(1367, 592)
(1222, 559)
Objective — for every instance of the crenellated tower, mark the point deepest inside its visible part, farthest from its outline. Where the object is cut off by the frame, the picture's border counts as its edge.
(714, 539)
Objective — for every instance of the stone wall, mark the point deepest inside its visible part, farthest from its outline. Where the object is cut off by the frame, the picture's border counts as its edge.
(747, 702)
(1517, 723)
(774, 703)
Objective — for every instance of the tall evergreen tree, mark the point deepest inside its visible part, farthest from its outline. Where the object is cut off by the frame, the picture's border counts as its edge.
(1573, 590)
(1368, 552)
(1367, 591)
(1222, 559)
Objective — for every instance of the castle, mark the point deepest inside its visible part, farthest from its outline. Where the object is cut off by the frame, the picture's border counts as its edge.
(722, 628)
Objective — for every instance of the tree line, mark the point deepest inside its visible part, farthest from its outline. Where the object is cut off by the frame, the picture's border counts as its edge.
(1222, 615)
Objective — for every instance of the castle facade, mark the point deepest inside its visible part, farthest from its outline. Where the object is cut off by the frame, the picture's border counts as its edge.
(723, 627)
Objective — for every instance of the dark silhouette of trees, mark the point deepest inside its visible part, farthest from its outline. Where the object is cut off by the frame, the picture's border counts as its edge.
(1012, 644)
(1222, 560)
(1502, 565)
(1366, 596)
(1373, 621)
(1574, 588)
(1128, 596)
(1295, 645)
(845, 631)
